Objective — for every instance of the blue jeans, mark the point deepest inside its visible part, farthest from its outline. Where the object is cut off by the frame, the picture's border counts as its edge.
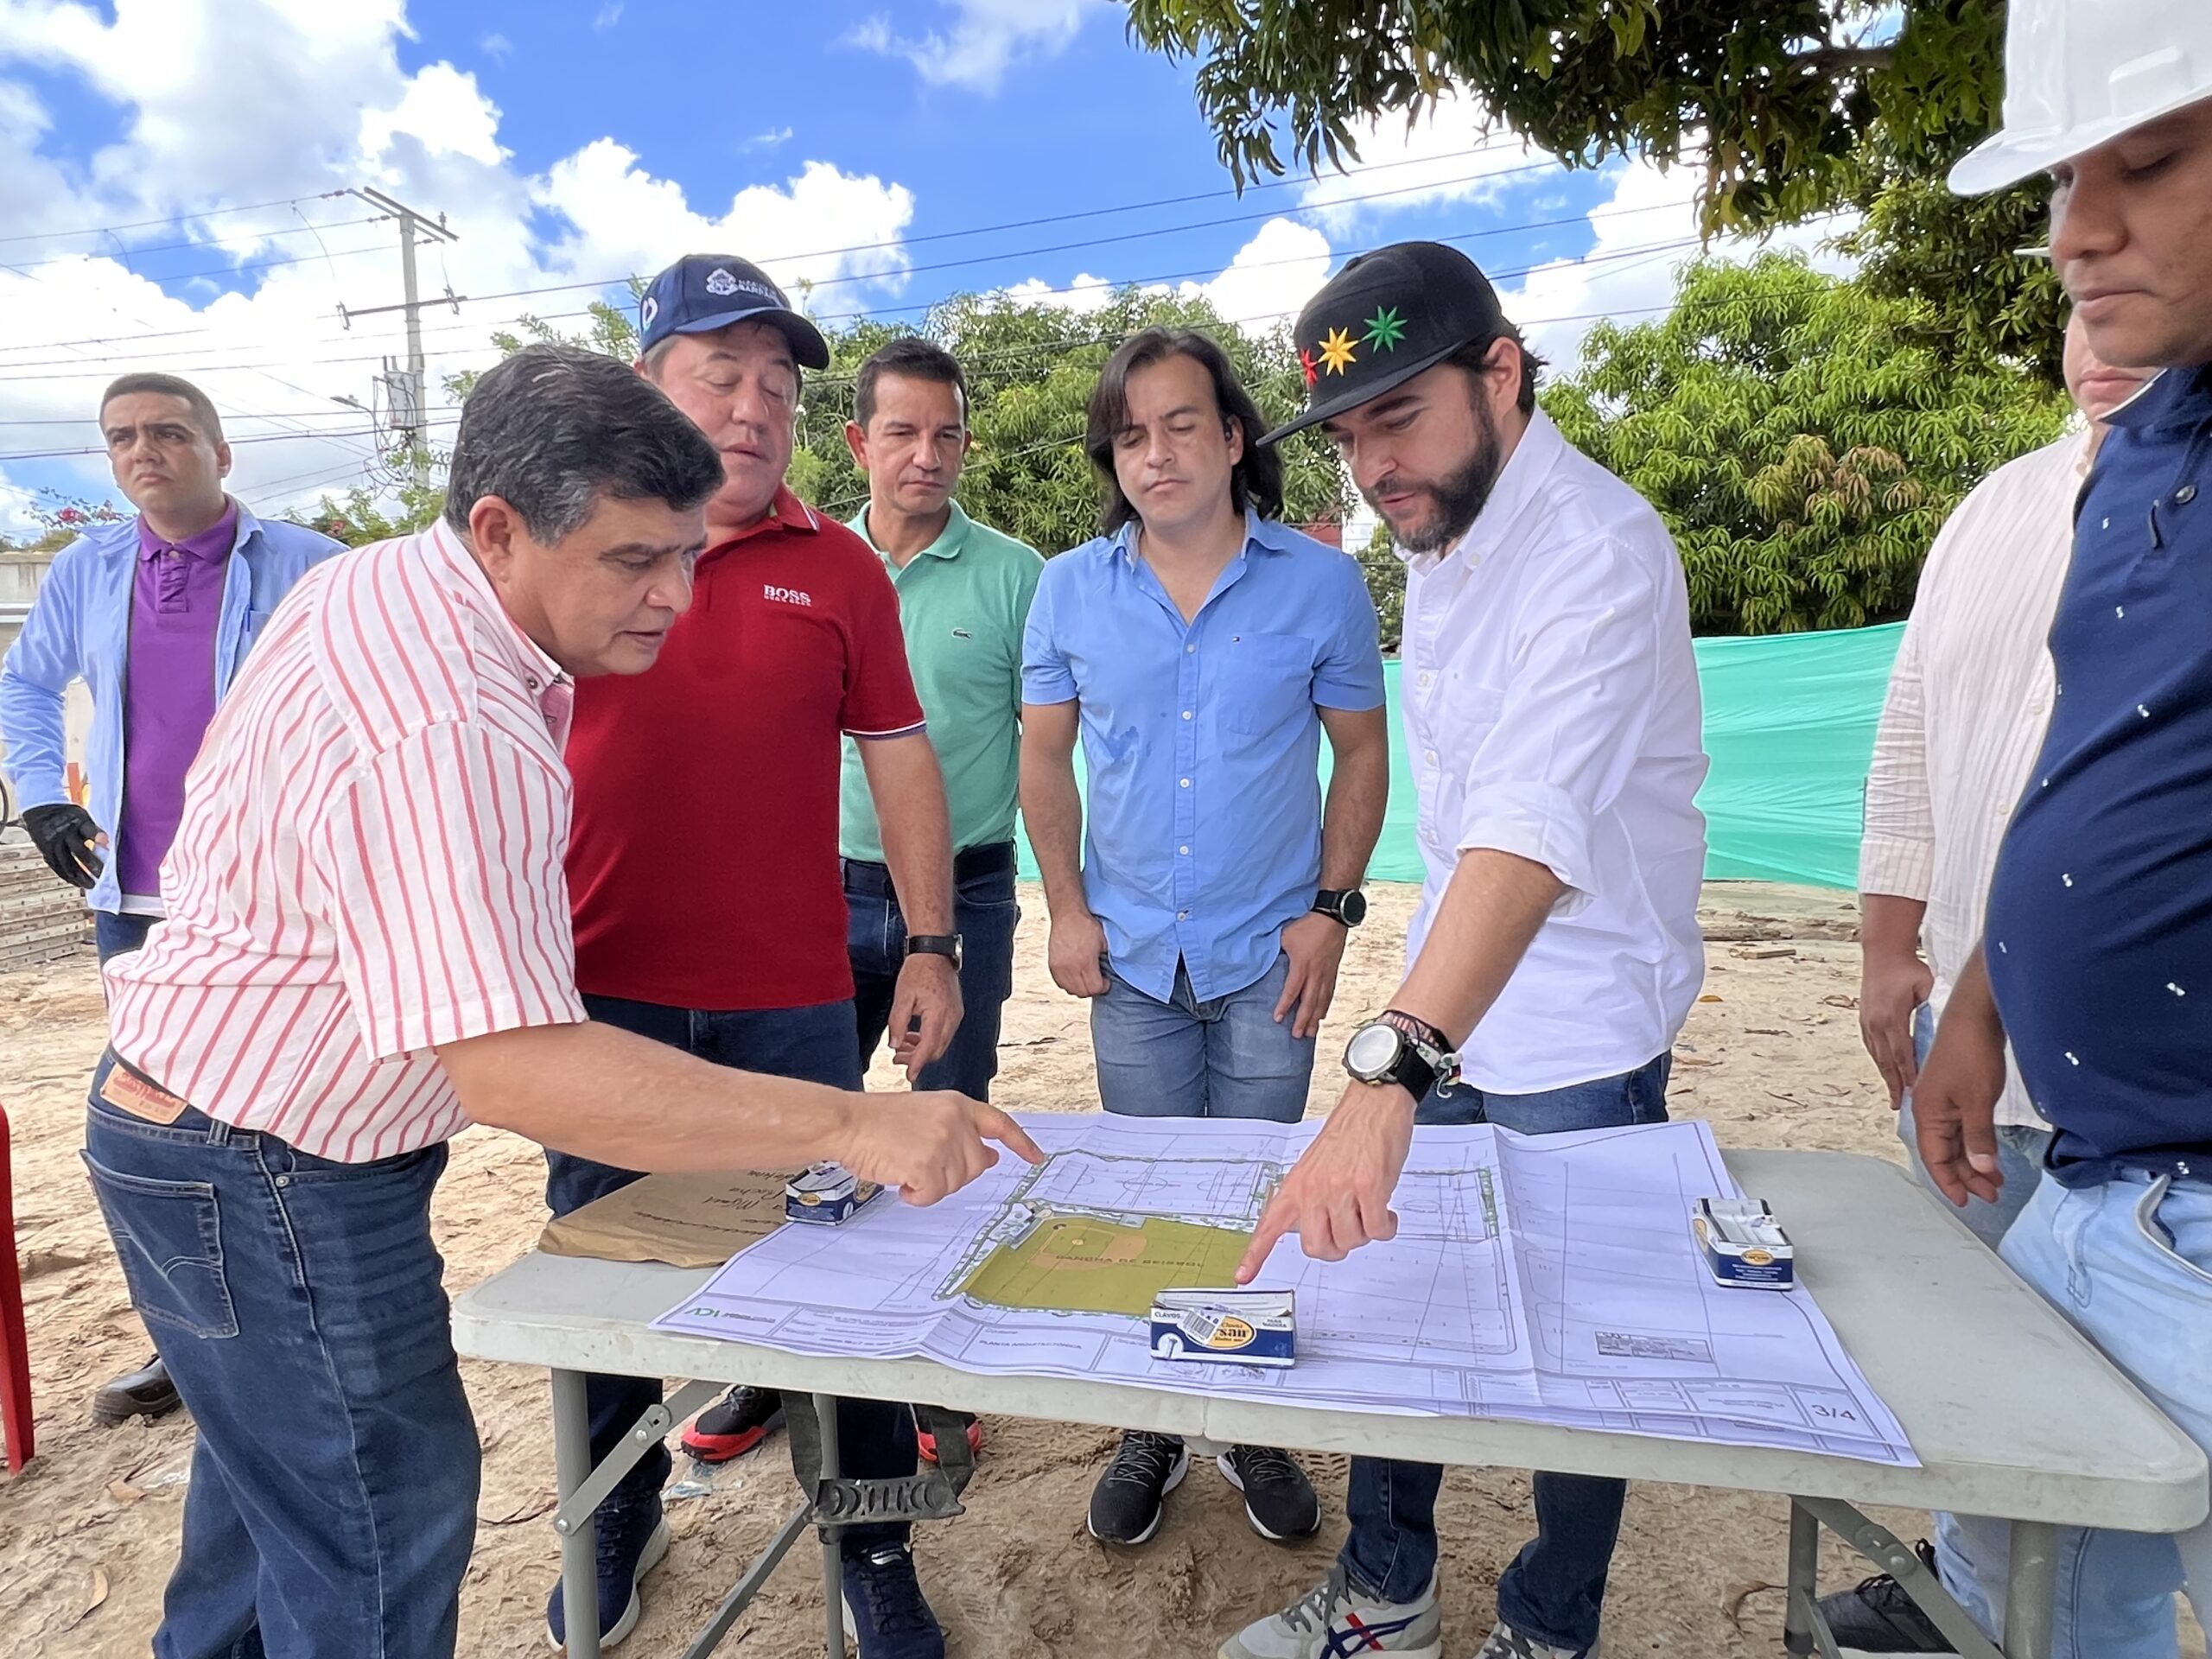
(2020, 1151)
(1226, 1058)
(1554, 1588)
(983, 915)
(301, 1307)
(2130, 1262)
(875, 1439)
(115, 934)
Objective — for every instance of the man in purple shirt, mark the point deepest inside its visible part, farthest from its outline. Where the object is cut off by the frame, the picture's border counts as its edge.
(154, 614)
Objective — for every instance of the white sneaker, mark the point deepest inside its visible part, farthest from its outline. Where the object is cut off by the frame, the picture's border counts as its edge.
(1336, 1619)
(1506, 1643)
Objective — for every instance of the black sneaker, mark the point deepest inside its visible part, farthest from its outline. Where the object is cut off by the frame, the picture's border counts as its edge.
(734, 1424)
(885, 1609)
(1278, 1500)
(1125, 1505)
(1879, 1617)
(631, 1544)
(147, 1392)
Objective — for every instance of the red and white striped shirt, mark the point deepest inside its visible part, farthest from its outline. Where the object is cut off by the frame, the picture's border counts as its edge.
(369, 864)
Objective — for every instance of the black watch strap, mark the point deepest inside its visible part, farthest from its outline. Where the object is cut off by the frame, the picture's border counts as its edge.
(934, 945)
(1344, 905)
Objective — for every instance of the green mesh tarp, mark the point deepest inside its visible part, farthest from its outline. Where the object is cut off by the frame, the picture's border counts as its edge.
(1789, 723)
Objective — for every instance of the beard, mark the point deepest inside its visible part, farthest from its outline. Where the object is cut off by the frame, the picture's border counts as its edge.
(1457, 499)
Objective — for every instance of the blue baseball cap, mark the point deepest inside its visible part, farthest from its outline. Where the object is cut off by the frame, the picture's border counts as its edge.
(701, 292)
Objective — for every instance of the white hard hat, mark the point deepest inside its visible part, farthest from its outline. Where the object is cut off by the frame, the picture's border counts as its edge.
(2080, 72)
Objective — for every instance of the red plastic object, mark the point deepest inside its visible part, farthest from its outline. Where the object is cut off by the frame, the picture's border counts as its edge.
(14, 1342)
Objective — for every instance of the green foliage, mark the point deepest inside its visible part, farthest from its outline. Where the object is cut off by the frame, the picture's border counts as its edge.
(1386, 585)
(1030, 371)
(1801, 439)
(396, 507)
(1795, 109)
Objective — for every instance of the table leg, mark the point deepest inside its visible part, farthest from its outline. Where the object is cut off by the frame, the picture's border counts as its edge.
(2030, 1591)
(1804, 1582)
(833, 1576)
(580, 1545)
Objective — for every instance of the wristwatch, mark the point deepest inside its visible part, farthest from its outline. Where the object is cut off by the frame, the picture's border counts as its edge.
(1398, 1048)
(1346, 904)
(935, 944)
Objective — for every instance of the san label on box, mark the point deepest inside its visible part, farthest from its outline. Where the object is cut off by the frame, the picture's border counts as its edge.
(1237, 1327)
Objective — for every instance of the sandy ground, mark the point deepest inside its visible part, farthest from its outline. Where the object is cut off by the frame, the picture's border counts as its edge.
(88, 1534)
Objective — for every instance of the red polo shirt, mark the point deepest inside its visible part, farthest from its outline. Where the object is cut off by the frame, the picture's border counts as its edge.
(702, 860)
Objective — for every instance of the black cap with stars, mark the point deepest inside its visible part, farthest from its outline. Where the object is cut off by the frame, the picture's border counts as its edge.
(1382, 320)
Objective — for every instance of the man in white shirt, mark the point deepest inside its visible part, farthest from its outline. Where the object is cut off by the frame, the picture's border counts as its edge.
(1969, 697)
(1551, 717)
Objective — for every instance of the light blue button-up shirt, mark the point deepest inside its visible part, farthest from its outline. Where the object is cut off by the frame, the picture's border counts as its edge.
(1201, 742)
(80, 628)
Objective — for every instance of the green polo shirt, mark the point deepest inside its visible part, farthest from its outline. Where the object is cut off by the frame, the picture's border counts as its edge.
(965, 601)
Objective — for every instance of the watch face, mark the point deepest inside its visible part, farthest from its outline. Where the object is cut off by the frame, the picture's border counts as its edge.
(1372, 1051)
(1352, 908)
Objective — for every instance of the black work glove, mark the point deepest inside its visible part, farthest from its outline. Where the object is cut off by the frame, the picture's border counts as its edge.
(64, 834)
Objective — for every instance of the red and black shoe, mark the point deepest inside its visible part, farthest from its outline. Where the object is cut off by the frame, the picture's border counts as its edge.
(734, 1424)
(927, 1441)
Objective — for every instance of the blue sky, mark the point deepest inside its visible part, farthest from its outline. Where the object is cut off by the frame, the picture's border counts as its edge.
(167, 166)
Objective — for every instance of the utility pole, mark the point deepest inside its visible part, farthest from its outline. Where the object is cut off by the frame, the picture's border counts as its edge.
(406, 393)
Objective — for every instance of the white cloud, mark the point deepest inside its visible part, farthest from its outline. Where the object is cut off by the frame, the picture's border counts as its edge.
(986, 38)
(332, 108)
(609, 15)
(1085, 294)
(1445, 157)
(1272, 276)
(774, 138)
(498, 48)
(1646, 231)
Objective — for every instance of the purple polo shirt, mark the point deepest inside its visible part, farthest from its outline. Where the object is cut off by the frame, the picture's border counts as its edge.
(169, 692)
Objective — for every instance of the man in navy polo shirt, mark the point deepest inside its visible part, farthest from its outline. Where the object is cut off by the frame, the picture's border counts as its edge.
(702, 862)
(2096, 955)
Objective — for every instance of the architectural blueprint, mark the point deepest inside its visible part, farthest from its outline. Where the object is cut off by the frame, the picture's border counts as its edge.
(1549, 1278)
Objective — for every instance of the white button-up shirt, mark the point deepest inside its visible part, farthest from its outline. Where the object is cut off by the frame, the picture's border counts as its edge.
(1969, 699)
(1552, 711)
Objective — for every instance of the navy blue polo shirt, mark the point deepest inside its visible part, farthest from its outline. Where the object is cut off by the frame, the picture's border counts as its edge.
(2099, 938)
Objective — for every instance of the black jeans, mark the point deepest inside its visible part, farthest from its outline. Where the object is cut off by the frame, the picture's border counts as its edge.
(875, 1438)
(984, 914)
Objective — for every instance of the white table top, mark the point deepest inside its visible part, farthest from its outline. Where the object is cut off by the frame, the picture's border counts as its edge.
(1993, 1387)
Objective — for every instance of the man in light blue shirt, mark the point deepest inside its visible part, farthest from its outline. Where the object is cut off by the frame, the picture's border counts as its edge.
(154, 614)
(1199, 648)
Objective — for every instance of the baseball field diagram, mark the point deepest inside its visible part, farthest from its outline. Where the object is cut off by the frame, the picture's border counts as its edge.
(1090, 1264)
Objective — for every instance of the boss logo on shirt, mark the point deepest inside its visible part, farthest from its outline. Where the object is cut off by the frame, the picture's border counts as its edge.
(787, 596)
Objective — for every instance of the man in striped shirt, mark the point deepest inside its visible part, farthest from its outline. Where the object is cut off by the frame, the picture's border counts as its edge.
(368, 947)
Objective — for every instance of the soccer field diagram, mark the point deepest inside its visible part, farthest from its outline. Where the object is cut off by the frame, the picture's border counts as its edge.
(1086, 1233)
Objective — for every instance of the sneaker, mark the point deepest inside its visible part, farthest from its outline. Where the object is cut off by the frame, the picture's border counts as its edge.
(927, 1441)
(885, 1609)
(1126, 1504)
(147, 1392)
(1336, 1619)
(631, 1544)
(1506, 1643)
(1278, 1500)
(1879, 1617)
(734, 1424)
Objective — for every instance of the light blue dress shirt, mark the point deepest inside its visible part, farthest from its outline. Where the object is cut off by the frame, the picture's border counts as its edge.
(1201, 742)
(80, 628)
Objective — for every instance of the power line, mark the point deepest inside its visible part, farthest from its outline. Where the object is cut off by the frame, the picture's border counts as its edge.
(1326, 206)
(1677, 244)
(129, 253)
(169, 219)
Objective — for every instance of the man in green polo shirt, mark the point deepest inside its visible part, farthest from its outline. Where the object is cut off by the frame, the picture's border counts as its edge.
(963, 598)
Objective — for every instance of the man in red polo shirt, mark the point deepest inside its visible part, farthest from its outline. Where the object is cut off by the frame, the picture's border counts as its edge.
(703, 863)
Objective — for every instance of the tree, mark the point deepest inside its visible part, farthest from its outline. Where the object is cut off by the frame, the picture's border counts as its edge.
(1030, 371)
(1793, 108)
(1800, 437)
